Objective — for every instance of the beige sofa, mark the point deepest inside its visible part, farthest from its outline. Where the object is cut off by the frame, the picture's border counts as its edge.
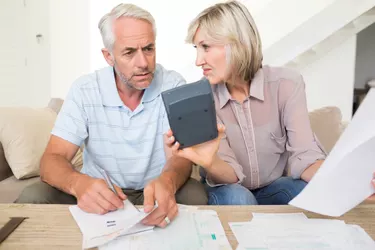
(24, 133)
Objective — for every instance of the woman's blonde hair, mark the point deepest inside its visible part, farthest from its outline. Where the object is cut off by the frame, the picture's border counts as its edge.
(231, 24)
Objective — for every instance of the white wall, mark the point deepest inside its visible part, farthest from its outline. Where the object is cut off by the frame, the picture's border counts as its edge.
(70, 43)
(172, 25)
(330, 80)
(24, 53)
(171, 52)
(76, 46)
(276, 19)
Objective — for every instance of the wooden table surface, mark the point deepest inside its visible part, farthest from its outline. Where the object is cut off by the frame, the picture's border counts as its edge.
(53, 227)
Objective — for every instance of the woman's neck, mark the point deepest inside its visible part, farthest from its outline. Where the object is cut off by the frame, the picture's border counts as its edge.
(239, 91)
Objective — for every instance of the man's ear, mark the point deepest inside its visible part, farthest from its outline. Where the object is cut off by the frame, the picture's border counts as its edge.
(108, 57)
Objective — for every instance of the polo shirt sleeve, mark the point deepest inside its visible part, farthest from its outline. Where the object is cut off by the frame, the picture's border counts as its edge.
(71, 122)
(174, 80)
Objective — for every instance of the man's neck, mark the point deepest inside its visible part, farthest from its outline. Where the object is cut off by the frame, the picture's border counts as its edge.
(131, 97)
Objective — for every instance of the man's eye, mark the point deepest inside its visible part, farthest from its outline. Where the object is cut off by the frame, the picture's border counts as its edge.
(149, 49)
(129, 53)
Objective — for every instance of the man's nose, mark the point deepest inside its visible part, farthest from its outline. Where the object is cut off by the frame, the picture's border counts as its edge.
(141, 60)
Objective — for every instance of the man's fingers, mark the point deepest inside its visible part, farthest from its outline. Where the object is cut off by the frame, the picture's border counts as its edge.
(158, 214)
(171, 215)
(155, 217)
(111, 197)
(91, 206)
(120, 193)
(149, 199)
(102, 202)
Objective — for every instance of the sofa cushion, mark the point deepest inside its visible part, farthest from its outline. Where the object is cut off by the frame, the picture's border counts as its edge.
(327, 125)
(24, 134)
(5, 171)
(11, 188)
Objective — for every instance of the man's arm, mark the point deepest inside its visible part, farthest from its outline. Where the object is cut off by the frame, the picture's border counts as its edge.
(176, 170)
(55, 166)
(163, 189)
(69, 132)
(93, 195)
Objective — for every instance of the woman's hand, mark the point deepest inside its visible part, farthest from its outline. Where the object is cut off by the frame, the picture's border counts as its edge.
(372, 197)
(202, 154)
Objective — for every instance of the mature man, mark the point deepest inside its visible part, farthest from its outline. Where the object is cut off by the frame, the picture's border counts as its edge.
(118, 113)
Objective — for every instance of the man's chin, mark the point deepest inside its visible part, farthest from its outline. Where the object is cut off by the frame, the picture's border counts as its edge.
(142, 85)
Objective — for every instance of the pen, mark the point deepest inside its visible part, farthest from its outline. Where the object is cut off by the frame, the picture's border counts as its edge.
(109, 182)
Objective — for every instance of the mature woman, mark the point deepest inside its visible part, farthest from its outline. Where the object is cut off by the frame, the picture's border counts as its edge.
(263, 110)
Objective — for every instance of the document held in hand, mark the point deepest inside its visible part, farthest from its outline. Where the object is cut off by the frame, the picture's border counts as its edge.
(101, 229)
(344, 179)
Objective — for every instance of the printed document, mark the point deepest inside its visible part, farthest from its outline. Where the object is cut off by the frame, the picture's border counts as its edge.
(100, 229)
(190, 230)
(292, 231)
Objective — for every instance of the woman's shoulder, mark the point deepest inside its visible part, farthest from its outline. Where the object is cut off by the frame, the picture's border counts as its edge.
(286, 82)
(281, 74)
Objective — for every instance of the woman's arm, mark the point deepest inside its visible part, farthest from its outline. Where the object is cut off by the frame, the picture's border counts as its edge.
(306, 153)
(214, 156)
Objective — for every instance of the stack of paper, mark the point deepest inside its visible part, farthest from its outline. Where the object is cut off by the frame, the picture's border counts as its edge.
(296, 231)
(100, 229)
(191, 230)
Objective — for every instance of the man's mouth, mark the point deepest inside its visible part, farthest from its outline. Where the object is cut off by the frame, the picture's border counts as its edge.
(143, 74)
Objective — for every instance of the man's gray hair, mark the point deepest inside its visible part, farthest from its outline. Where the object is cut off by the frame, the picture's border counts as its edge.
(122, 10)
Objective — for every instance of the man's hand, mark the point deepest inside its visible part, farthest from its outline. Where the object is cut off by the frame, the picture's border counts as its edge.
(94, 196)
(162, 190)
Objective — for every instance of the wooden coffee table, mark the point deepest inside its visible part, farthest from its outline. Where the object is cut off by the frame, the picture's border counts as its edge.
(53, 227)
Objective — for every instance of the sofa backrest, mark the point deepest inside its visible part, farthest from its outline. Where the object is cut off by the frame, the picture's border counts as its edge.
(325, 122)
(5, 171)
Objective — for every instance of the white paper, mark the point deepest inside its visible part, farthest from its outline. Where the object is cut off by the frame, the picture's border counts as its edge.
(283, 216)
(190, 230)
(100, 229)
(300, 234)
(344, 179)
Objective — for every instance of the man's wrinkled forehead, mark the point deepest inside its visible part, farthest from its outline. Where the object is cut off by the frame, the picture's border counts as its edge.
(133, 33)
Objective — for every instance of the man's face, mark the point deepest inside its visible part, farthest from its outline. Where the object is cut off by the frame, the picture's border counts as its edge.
(133, 53)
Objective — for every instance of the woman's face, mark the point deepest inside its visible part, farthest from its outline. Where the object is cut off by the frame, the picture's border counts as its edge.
(211, 57)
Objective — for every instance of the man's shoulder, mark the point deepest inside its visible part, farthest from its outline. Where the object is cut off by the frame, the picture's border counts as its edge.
(87, 86)
(168, 78)
(90, 80)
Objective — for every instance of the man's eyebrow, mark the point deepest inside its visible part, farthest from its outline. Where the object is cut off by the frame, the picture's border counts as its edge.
(150, 45)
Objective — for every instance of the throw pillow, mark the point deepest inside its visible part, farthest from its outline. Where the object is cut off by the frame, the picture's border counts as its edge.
(326, 123)
(24, 134)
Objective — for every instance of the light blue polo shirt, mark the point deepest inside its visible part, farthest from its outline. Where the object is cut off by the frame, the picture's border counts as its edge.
(128, 144)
